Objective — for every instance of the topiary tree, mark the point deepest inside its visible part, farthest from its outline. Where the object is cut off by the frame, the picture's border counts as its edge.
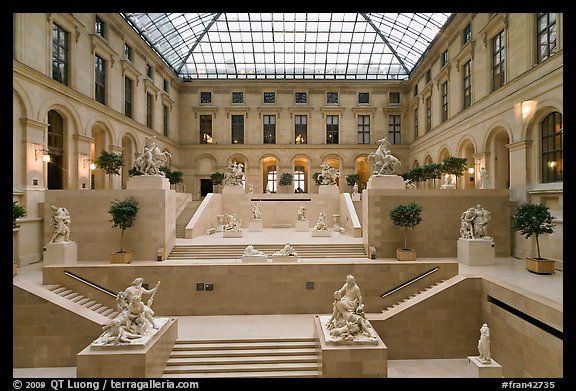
(351, 179)
(109, 162)
(533, 219)
(17, 212)
(217, 178)
(315, 178)
(406, 216)
(285, 179)
(123, 215)
(174, 177)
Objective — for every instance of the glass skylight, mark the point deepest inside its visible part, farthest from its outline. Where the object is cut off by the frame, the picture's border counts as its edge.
(289, 45)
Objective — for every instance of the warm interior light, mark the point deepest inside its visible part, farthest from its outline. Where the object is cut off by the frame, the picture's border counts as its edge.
(46, 158)
(45, 154)
(471, 170)
(92, 166)
(552, 164)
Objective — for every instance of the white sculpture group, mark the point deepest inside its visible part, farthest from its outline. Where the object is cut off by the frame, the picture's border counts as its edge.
(231, 223)
(235, 175)
(152, 158)
(474, 222)
(321, 223)
(135, 318)
(61, 223)
(328, 175)
(382, 161)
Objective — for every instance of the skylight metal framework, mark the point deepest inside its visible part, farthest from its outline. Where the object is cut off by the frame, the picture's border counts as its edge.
(289, 45)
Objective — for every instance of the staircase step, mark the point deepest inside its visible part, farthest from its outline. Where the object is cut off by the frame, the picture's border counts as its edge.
(241, 360)
(231, 368)
(242, 352)
(268, 374)
(246, 345)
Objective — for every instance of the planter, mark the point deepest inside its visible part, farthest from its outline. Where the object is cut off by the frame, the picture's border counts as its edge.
(540, 266)
(121, 257)
(405, 254)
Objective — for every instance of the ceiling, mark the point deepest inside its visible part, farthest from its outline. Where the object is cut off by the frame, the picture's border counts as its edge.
(352, 46)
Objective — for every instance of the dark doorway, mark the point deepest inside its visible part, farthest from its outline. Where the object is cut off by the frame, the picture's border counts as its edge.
(205, 187)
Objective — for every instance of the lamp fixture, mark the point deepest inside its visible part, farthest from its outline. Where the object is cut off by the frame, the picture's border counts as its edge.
(45, 154)
(92, 165)
(471, 170)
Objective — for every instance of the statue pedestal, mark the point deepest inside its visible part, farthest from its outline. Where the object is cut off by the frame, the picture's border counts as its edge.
(283, 258)
(62, 253)
(476, 252)
(233, 190)
(355, 196)
(479, 369)
(129, 361)
(325, 233)
(232, 234)
(328, 189)
(255, 258)
(386, 182)
(302, 226)
(255, 226)
(141, 182)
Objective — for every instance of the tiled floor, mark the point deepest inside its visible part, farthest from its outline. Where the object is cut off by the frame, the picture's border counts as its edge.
(508, 270)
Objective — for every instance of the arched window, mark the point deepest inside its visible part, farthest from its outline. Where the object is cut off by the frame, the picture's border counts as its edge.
(299, 179)
(551, 151)
(56, 149)
(271, 179)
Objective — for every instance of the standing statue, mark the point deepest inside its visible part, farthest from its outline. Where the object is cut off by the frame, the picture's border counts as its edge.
(355, 189)
(256, 212)
(302, 213)
(484, 344)
(474, 222)
(383, 162)
(61, 223)
(328, 175)
(348, 320)
(135, 318)
(484, 181)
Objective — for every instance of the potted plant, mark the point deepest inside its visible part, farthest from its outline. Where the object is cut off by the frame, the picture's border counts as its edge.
(217, 179)
(534, 220)
(285, 181)
(109, 162)
(352, 179)
(174, 177)
(123, 216)
(406, 216)
(17, 212)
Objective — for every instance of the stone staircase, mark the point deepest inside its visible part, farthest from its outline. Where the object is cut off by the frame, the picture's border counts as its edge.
(412, 296)
(255, 358)
(235, 251)
(184, 218)
(84, 301)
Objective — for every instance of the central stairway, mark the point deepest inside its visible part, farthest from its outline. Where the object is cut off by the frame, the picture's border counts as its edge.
(256, 358)
(234, 251)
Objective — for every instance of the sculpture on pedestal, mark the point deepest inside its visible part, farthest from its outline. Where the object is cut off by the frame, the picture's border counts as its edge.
(235, 175)
(151, 159)
(251, 251)
(382, 161)
(61, 223)
(328, 175)
(484, 344)
(474, 222)
(484, 181)
(231, 223)
(302, 213)
(256, 212)
(135, 318)
(348, 321)
(321, 223)
(287, 250)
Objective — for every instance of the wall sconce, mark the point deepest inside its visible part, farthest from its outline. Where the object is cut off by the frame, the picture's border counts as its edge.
(45, 155)
(471, 170)
(527, 107)
(92, 165)
(551, 164)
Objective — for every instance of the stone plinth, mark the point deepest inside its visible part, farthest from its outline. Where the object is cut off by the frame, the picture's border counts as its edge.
(283, 258)
(386, 182)
(254, 258)
(302, 226)
(476, 252)
(355, 196)
(479, 369)
(61, 253)
(325, 233)
(233, 190)
(328, 189)
(351, 361)
(255, 226)
(232, 234)
(141, 182)
(125, 361)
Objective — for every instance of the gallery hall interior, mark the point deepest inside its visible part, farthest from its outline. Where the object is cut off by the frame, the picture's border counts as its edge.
(287, 195)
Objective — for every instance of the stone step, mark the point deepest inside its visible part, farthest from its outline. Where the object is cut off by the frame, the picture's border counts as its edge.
(267, 374)
(242, 345)
(243, 352)
(240, 368)
(240, 360)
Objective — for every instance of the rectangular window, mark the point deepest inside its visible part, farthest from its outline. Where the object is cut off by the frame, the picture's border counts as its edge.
(60, 49)
(467, 34)
(269, 98)
(127, 52)
(128, 96)
(100, 80)
(166, 118)
(552, 132)
(445, 101)
(166, 86)
(428, 76)
(301, 129)
(332, 129)
(237, 97)
(300, 97)
(428, 114)
(299, 179)
(467, 83)
(271, 179)
(269, 129)
(546, 35)
(394, 98)
(149, 109)
(415, 89)
(206, 129)
(149, 71)
(444, 58)
(237, 129)
(205, 97)
(415, 123)
(363, 98)
(394, 129)
(331, 98)
(100, 27)
(498, 59)
(363, 129)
